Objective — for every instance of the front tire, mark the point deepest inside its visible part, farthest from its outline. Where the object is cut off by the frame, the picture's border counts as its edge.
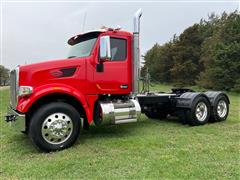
(54, 126)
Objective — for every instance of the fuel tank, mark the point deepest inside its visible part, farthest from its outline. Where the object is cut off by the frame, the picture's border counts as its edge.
(119, 112)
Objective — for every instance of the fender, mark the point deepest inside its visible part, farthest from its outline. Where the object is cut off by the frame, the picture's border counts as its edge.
(24, 103)
(187, 99)
(212, 96)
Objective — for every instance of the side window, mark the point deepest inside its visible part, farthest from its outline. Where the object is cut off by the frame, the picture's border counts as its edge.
(118, 49)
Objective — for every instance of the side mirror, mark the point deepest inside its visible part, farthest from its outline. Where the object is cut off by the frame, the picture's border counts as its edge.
(105, 49)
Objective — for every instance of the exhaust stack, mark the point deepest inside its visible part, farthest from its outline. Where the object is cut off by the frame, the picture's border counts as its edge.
(136, 52)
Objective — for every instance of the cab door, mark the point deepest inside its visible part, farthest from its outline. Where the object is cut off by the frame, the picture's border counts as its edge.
(114, 78)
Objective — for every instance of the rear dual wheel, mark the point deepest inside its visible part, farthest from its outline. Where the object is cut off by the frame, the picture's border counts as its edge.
(54, 126)
(220, 109)
(199, 113)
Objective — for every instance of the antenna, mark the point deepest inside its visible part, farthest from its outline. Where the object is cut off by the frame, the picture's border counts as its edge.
(84, 20)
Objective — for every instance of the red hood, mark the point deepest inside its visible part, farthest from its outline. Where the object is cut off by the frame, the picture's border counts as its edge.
(51, 64)
(40, 73)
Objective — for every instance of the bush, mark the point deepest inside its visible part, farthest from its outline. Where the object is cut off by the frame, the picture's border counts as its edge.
(236, 87)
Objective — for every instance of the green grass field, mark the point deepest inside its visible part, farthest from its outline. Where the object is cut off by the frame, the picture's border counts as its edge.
(148, 149)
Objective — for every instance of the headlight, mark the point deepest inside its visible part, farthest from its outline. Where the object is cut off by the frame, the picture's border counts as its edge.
(25, 90)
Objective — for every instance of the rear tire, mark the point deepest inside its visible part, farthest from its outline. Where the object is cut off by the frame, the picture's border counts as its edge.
(199, 113)
(54, 126)
(182, 116)
(220, 109)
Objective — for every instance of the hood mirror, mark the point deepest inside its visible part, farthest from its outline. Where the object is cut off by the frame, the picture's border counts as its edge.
(105, 49)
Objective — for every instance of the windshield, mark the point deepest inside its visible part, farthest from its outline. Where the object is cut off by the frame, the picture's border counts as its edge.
(83, 47)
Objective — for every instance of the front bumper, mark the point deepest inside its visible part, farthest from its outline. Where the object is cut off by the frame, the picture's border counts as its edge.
(18, 121)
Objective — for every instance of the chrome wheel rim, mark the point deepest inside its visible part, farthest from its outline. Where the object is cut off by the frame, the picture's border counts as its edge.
(57, 128)
(221, 108)
(201, 111)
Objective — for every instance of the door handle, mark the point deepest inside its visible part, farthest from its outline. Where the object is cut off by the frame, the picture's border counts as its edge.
(123, 86)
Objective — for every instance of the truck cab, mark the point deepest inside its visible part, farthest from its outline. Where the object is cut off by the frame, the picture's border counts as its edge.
(98, 67)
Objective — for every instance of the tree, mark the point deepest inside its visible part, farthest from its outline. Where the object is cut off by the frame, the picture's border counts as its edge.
(206, 53)
(4, 76)
(159, 62)
(221, 54)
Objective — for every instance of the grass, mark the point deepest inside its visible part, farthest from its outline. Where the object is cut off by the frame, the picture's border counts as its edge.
(151, 149)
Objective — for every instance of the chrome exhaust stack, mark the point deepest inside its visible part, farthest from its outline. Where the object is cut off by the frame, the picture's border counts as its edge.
(136, 52)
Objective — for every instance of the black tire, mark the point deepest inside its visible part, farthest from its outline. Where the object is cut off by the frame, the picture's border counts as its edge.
(42, 114)
(182, 116)
(215, 116)
(192, 118)
(156, 115)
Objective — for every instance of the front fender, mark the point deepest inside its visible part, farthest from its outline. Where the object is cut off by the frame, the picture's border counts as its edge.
(24, 103)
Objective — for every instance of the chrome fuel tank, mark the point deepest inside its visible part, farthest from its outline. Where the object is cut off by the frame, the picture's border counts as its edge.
(120, 112)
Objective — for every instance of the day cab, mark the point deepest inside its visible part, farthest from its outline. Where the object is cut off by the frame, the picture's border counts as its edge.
(98, 83)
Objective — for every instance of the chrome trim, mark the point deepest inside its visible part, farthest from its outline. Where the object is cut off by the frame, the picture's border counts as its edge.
(137, 108)
(105, 48)
(222, 108)
(16, 120)
(120, 112)
(107, 112)
(136, 52)
(136, 20)
(125, 121)
(124, 86)
(201, 111)
(14, 86)
(57, 128)
(17, 85)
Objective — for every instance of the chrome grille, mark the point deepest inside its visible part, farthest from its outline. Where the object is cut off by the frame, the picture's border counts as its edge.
(13, 87)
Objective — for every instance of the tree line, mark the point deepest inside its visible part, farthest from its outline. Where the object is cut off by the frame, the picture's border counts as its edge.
(206, 54)
(4, 76)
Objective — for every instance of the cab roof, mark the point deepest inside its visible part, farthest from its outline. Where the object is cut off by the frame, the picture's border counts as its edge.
(72, 40)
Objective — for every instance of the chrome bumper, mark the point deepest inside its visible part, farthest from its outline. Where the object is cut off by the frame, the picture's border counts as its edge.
(16, 120)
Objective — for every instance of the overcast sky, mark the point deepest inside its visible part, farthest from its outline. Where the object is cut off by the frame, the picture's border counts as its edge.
(34, 32)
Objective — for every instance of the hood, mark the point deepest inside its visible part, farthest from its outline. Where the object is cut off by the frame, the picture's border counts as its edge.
(49, 64)
(44, 72)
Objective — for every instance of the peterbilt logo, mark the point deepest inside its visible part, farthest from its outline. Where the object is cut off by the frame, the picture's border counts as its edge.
(57, 73)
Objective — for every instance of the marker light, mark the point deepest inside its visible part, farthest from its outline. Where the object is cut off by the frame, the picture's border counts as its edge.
(25, 90)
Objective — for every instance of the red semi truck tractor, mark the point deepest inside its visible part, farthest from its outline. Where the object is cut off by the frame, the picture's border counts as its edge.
(98, 83)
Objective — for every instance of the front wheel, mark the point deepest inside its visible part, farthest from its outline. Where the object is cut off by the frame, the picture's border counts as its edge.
(54, 126)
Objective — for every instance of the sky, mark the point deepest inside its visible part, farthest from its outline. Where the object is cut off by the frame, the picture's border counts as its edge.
(38, 31)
